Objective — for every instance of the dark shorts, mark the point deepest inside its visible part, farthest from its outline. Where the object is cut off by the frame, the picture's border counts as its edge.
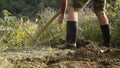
(98, 5)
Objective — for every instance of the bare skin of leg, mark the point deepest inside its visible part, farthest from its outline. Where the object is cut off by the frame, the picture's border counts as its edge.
(72, 14)
(103, 20)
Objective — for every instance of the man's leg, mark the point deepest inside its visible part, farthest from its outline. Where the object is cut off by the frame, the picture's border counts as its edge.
(99, 7)
(71, 29)
(104, 24)
(72, 22)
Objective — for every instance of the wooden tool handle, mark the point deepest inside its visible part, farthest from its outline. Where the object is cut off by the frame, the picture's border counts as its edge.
(45, 26)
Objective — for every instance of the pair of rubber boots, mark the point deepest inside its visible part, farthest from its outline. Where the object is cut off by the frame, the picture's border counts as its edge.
(71, 35)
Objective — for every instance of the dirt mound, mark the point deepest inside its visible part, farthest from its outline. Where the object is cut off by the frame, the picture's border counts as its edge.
(87, 55)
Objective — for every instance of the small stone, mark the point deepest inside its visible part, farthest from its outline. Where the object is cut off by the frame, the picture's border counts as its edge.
(102, 51)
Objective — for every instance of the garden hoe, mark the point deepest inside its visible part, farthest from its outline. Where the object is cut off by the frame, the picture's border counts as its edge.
(34, 39)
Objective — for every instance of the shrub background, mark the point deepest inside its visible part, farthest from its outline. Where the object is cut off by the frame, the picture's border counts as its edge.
(12, 31)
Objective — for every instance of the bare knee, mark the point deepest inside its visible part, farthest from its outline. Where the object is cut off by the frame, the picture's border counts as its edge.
(102, 18)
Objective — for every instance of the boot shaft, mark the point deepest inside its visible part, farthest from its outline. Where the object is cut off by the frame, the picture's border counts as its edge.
(106, 33)
(71, 32)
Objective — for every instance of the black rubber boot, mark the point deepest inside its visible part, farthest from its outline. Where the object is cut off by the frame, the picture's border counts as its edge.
(71, 33)
(106, 35)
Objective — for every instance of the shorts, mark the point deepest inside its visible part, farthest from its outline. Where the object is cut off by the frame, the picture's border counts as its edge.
(98, 5)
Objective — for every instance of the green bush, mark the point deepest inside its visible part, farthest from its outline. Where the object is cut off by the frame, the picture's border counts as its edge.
(114, 18)
(54, 31)
(88, 28)
(16, 30)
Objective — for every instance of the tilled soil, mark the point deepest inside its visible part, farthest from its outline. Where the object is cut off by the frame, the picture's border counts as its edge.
(87, 55)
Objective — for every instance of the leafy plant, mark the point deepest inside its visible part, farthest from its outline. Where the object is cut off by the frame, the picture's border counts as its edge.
(114, 17)
(88, 26)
